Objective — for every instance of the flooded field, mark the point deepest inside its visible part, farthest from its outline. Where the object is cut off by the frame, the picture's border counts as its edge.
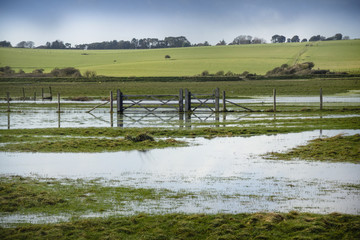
(74, 114)
(218, 175)
(227, 175)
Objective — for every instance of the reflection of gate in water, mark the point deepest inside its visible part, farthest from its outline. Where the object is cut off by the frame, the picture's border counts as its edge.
(162, 119)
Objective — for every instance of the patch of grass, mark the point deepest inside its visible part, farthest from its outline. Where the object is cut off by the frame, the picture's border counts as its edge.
(76, 197)
(291, 225)
(88, 145)
(101, 89)
(336, 149)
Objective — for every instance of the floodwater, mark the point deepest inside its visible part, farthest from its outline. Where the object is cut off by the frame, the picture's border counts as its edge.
(43, 114)
(228, 175)
(74, 117)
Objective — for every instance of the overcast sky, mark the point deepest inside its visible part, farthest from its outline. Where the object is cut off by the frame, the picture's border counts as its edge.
(85, 21)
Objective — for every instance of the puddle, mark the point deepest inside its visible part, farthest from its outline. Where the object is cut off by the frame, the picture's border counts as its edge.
(226, 174)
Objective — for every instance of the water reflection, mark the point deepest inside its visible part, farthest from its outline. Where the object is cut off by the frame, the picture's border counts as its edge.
(8, 120)
(43, 117)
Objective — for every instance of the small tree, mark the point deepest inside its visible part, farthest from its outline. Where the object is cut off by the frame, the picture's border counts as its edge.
(167, 57)
(295, 38)
(90, 74)
(205, 73)
(220, 73)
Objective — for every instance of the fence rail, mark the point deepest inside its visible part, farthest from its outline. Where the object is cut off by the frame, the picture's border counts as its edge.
(187, 101)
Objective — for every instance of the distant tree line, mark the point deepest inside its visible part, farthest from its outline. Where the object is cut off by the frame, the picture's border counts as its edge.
(144, 43)
(168, 42)
(281, 39)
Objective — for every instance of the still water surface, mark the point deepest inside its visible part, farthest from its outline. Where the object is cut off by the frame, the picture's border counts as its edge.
(231, 171)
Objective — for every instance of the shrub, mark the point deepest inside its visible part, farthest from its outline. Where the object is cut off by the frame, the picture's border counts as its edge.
(6, 70)
(38, 71)
(229, 74)
(220, 73)
(205, 73)
(66, 72)
(90, 74)
(297, 69)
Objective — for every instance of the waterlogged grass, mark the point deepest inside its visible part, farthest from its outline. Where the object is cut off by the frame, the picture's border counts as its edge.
(291, 225)
(75, 197)
(335, 149)
(88, 145)
(123, 139)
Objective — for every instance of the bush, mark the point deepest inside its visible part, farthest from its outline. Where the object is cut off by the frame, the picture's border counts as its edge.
(6, 70)
(205, 73)
(229, 74)
(66, 72)
(298, 69)
(38, 71)
(220, 73)
(90, 74)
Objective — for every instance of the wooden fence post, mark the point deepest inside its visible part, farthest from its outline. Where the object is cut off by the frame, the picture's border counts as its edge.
(321, 99)
(119, 104)
(217, 100)
(224, 101)
(42, 94)
(111, 102)
(187, 100)
(50, 93)
(274, 95)
(181, 100)
(23, 92)
(35, 96)
(58, 97)
(8, 101)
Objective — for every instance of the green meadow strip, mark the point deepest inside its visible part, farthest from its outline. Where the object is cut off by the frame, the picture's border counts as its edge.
(291, 225)
(335, 149)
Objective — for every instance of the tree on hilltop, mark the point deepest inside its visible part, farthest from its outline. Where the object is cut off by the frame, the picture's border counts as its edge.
(295, 38)
(278, 38)
(25, 44)
(5, 44)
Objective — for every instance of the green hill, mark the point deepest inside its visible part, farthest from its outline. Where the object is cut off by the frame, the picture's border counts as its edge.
(332, 55)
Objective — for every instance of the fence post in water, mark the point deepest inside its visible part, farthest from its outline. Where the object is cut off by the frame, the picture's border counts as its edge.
(35, 96)
(274, 94)
(111, 102)
(181, 100)
(321, 99)
(217, 100)
(187, 100)
(58, 97)
(119, 99)
(8, 101)
(23, 92)
(42, 94)
(50, 93)
(224, 101)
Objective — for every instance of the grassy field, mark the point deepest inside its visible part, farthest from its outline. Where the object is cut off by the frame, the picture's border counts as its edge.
(333, 55)
(305, 87)
(336, 149)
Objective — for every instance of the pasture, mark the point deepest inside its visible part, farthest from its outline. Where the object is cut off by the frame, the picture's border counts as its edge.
(332, 55)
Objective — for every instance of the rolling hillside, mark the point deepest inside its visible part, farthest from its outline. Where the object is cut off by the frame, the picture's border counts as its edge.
(333, 55)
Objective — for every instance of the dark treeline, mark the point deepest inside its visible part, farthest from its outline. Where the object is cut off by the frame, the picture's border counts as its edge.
(168, 42)
(144, 43)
